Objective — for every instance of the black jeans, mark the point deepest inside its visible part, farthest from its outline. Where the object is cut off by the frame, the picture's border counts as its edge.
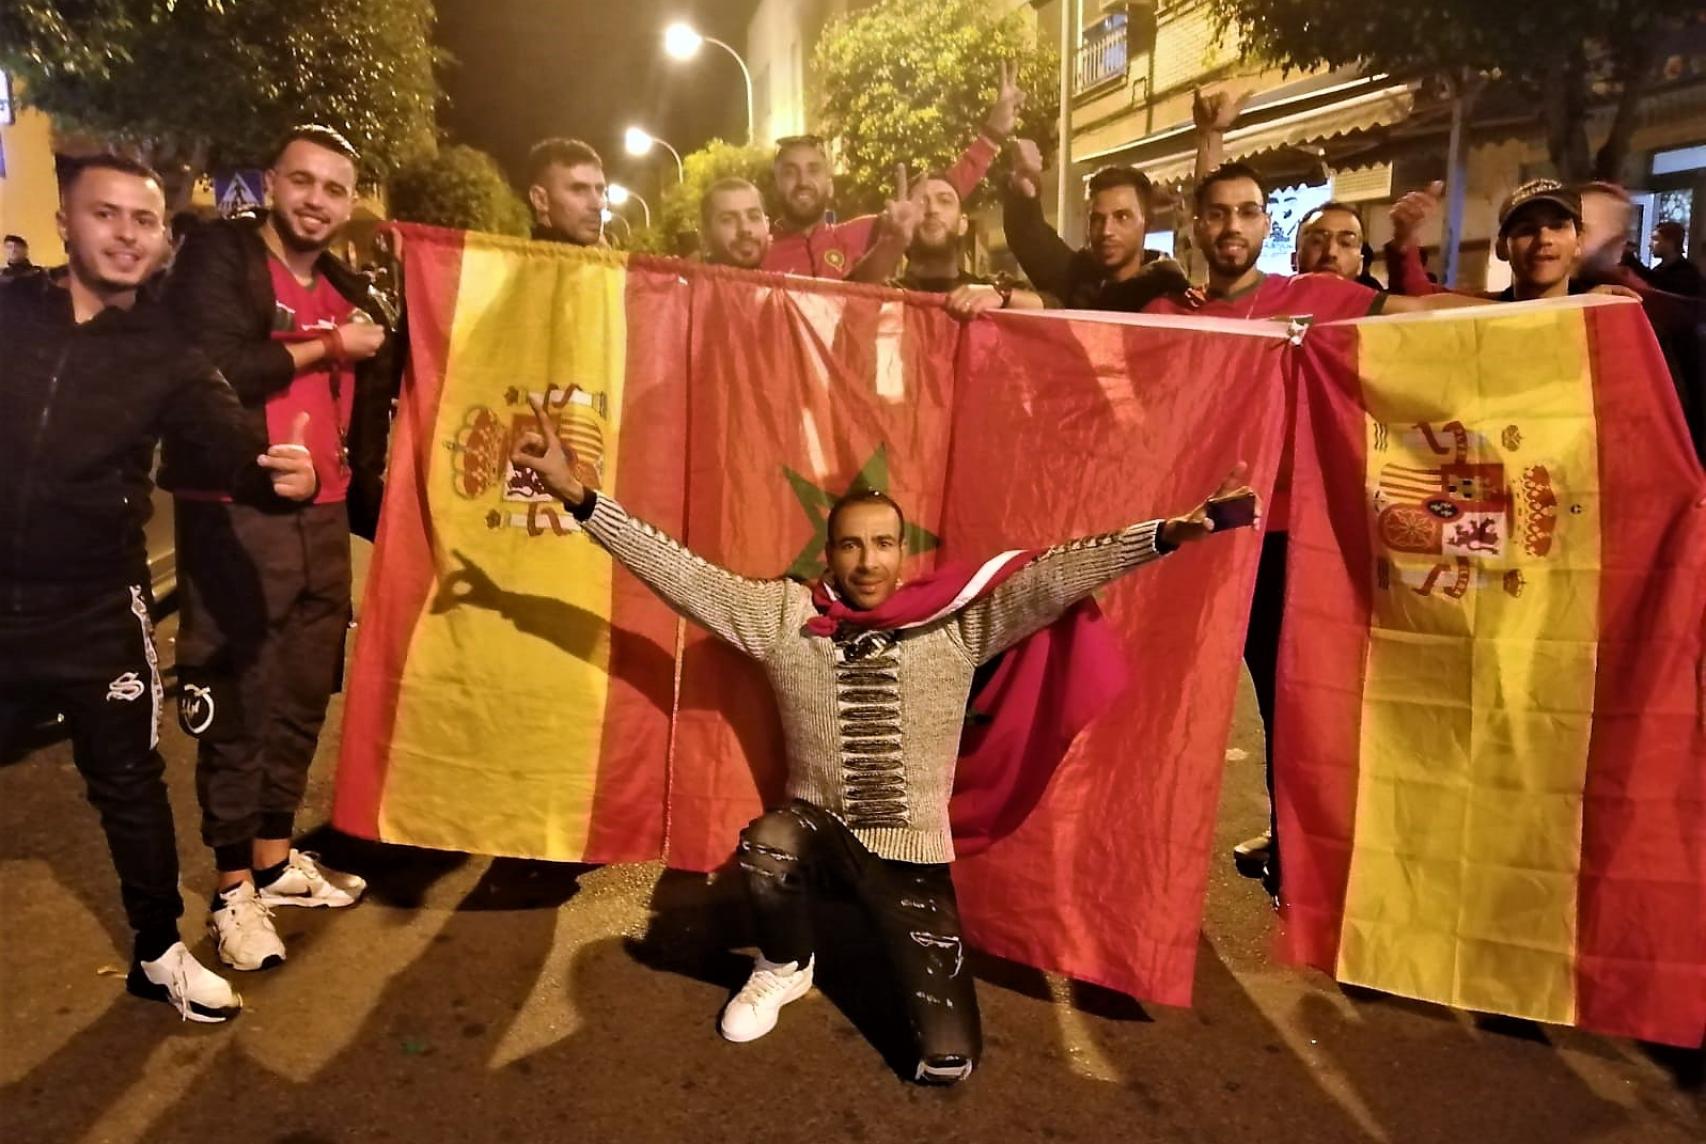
(787, 853)
(1261, 656)
(266, 604)
(94, 661)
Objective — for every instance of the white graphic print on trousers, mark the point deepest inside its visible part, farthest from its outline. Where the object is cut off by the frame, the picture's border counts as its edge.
(127, 688)
(195, 706)
(156, 693)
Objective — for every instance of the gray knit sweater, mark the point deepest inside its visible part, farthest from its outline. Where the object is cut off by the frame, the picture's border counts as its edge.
(873, 728)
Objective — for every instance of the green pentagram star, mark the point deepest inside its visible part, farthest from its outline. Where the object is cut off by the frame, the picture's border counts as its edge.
(873, 475)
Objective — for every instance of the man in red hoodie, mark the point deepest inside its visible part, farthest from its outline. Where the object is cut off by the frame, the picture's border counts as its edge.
(868, 248)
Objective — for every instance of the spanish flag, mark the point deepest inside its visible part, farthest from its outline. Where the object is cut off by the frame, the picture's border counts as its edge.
(1491, 759)
(509, 693)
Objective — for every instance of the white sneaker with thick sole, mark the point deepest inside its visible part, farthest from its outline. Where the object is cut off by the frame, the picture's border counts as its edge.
(307, 882)
(242, 930)
(177, 978)
(754, 1009)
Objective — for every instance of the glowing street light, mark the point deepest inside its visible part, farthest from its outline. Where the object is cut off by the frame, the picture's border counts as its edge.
(620, 196)
(681, 42)
(639, 142)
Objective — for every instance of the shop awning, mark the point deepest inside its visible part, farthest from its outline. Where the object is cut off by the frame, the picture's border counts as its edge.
(1168, 156)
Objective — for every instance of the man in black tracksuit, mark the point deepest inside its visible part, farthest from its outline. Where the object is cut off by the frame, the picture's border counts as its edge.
(266, 595)
(91, 376)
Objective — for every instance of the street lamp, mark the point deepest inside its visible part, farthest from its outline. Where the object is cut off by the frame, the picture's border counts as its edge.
(681, 42)
(608, 216)
(639, 142)
(620, 195)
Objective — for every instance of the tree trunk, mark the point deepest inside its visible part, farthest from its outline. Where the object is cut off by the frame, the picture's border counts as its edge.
(1634, 62)
(1563, 107)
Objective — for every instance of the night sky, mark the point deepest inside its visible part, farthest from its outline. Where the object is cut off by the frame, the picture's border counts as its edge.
(589, 68)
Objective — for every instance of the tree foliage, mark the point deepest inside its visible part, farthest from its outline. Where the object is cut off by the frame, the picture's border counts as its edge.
(1561, 54)
(196, 85)
(910, 81)
(675, 221)
(459, 187)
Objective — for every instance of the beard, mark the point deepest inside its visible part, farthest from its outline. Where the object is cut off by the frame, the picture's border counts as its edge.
(1232, 265)
(933, 245)
(800, 213)
(281, 224)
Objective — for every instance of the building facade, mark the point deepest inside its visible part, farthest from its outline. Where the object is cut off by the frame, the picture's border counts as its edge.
(1347, 134)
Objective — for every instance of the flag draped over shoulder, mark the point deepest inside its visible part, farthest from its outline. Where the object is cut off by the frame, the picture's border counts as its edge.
(1490, 758)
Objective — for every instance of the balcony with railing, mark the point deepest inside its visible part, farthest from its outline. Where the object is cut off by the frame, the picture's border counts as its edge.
(1102, 54)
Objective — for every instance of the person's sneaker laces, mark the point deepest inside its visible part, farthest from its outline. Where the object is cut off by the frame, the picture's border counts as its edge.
(177, 978)
(307, 882)
(242, 930)
(753, 1011)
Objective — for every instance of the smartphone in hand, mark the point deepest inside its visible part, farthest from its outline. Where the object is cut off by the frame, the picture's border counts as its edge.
(1232, 512)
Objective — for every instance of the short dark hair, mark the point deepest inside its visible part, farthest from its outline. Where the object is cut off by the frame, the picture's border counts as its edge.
(1332, 205)
(858, 496)
(1122, 176)
(787, 142)
(73, 169)
(559, 152)
(1227, 173)
(1671, 231)
(18, 238)
(728, 183)
(938, 176)
(321, 136)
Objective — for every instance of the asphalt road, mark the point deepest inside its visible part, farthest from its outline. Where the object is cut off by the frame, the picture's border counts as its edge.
(472, 1000)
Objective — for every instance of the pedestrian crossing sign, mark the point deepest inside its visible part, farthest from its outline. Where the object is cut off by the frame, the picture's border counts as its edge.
(237, 191)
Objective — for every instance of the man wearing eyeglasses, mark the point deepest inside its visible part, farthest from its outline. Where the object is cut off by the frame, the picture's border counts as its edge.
(868, 248)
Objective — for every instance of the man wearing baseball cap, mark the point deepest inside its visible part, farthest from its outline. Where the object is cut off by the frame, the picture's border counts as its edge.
(1540, 233)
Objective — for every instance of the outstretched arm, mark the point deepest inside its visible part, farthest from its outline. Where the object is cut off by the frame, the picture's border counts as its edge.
(1036, 596)
(746, 613)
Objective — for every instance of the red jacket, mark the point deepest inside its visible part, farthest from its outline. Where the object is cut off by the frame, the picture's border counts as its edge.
(831, 250)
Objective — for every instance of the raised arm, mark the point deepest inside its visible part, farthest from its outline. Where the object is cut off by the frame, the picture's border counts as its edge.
(1042, 254)
(1214, 116)
(746, 613)
(1037, 595)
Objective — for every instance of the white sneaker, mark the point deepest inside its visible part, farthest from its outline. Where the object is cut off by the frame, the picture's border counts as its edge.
(754, 1009)
(305, 882)
(177, 978)
(242, 929)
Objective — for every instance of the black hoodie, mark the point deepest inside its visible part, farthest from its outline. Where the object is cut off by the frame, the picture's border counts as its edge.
(82, 406)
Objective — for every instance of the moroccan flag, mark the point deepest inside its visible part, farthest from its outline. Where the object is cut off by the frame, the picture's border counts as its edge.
(1068, 424)
(1491, 759)
(510, 693)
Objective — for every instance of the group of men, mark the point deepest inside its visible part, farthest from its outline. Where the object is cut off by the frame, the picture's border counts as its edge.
(259, 364)
(268, 370)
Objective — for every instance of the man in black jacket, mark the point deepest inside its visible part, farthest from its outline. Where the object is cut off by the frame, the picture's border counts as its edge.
(1113, 271)
(266, 595)
(91, 377)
